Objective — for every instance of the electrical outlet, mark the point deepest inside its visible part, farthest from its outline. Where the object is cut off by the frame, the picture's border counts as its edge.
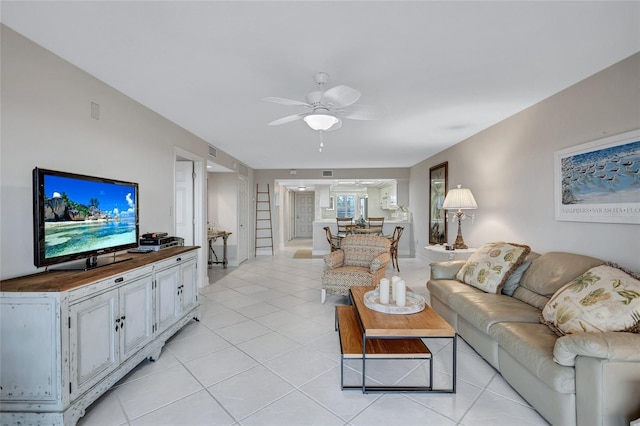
(95, 111)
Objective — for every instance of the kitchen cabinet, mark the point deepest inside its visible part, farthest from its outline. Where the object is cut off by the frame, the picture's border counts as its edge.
(67, 337)
(389, 196)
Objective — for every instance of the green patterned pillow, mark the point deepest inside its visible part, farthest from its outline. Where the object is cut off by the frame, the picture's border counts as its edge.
(490, 266)
(602, 299)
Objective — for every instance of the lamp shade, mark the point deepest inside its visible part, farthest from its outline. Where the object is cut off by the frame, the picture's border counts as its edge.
(320, 121)
(459, 198)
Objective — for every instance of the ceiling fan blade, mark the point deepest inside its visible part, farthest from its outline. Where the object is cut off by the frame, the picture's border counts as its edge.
(287, 119)
(340, 97)
(285, 101)
(362, 112)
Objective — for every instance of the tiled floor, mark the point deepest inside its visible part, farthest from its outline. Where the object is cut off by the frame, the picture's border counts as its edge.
(265, 353)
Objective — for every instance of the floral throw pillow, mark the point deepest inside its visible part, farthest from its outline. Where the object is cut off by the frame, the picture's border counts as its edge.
(490, 266)
(602, 299)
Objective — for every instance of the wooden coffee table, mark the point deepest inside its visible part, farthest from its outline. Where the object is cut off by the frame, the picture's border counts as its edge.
(368, 334)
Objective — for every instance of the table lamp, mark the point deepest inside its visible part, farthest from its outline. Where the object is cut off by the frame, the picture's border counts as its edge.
(461, 199)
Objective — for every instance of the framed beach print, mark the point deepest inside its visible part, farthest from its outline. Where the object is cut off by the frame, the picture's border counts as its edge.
(599, 181)
(437, 191)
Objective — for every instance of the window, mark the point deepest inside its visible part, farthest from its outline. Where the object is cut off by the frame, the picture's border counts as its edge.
(346, 205)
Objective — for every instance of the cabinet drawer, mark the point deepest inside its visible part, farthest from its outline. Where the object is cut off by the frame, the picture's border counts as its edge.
(106, 284)
(172, 261)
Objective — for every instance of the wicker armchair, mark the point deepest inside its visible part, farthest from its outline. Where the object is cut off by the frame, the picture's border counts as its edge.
(360, 261)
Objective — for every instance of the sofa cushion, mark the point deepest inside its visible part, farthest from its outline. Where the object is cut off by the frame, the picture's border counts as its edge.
(489, 267)
(528, 296)
(602, 299)
(442, 289)
(513, 280)
(484, 309)
(532, 346)
(552, 270)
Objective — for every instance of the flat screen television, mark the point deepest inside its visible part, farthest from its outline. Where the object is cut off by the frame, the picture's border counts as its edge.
(81, 217)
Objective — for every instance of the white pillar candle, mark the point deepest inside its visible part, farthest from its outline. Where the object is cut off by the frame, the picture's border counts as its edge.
(384, 291)
(401, 294)
(394, 284)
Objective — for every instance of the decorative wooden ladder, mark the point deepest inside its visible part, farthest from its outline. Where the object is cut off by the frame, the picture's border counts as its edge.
(264, 232)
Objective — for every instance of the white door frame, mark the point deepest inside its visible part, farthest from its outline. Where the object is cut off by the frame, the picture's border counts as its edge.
(199, 206)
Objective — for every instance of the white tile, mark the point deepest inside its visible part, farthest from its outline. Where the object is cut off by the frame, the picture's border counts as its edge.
(454, 406)
(268, 346)
(248, 392)
(243, 331)
(325, 389)
(197, 346)
(491, 409)
(300, 365)
(295, 409)
(106, 411)
(157, 390)
(257, 310)
(165, 360)
(218, 366)
(199, 409)
(222, 319)
(395, 409)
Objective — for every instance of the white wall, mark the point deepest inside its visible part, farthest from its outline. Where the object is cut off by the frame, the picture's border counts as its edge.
(46, 123)
(509, 168)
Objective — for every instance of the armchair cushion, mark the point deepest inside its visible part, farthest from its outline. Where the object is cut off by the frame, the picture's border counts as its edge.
(334, 259)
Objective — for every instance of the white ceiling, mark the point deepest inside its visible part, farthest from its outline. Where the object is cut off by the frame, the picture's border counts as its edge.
(443, 71)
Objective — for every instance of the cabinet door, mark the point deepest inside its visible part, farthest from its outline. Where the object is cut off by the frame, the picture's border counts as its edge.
(188, 290)
(167, 301)
(30, 341)
(136, 316)
(93, 340)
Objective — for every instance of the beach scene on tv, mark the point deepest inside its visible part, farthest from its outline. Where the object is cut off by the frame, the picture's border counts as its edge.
(83, 215)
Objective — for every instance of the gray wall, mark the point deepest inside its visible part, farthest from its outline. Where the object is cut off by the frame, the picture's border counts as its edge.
(46, 123)
(509, 168)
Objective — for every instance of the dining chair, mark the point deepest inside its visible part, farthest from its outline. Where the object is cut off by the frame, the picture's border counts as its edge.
(334, 241)
(345, 226)
(376, 223)
(395, 239)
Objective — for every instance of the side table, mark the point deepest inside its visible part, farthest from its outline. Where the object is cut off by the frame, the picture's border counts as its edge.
(451, 253)
(212, 237)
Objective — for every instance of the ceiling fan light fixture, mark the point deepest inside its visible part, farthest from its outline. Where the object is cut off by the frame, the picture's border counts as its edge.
(320, 121)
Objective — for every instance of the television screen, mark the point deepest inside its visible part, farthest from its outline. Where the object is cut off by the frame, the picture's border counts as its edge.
(78, 216)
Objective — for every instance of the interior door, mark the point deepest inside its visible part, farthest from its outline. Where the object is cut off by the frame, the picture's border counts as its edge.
(243, 218)
(304, 215)
(184, 201)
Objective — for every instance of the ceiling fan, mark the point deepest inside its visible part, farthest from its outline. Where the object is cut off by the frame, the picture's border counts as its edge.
(325, 109)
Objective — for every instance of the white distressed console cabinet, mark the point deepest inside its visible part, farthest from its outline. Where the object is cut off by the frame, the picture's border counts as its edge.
(67, 337)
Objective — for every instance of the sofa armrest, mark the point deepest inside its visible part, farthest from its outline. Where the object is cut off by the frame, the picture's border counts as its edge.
(334, 259)
(613, 346)
(381, 261)
(446, 270)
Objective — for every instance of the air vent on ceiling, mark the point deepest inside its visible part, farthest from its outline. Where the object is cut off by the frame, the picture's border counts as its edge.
(213, 151)
(327, 173)
(243, 170)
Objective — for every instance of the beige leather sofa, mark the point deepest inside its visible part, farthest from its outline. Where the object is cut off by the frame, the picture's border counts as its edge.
(579, 379)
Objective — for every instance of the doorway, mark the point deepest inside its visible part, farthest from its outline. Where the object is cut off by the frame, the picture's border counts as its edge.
(305, 209)
(188, 204)
(184, 200)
